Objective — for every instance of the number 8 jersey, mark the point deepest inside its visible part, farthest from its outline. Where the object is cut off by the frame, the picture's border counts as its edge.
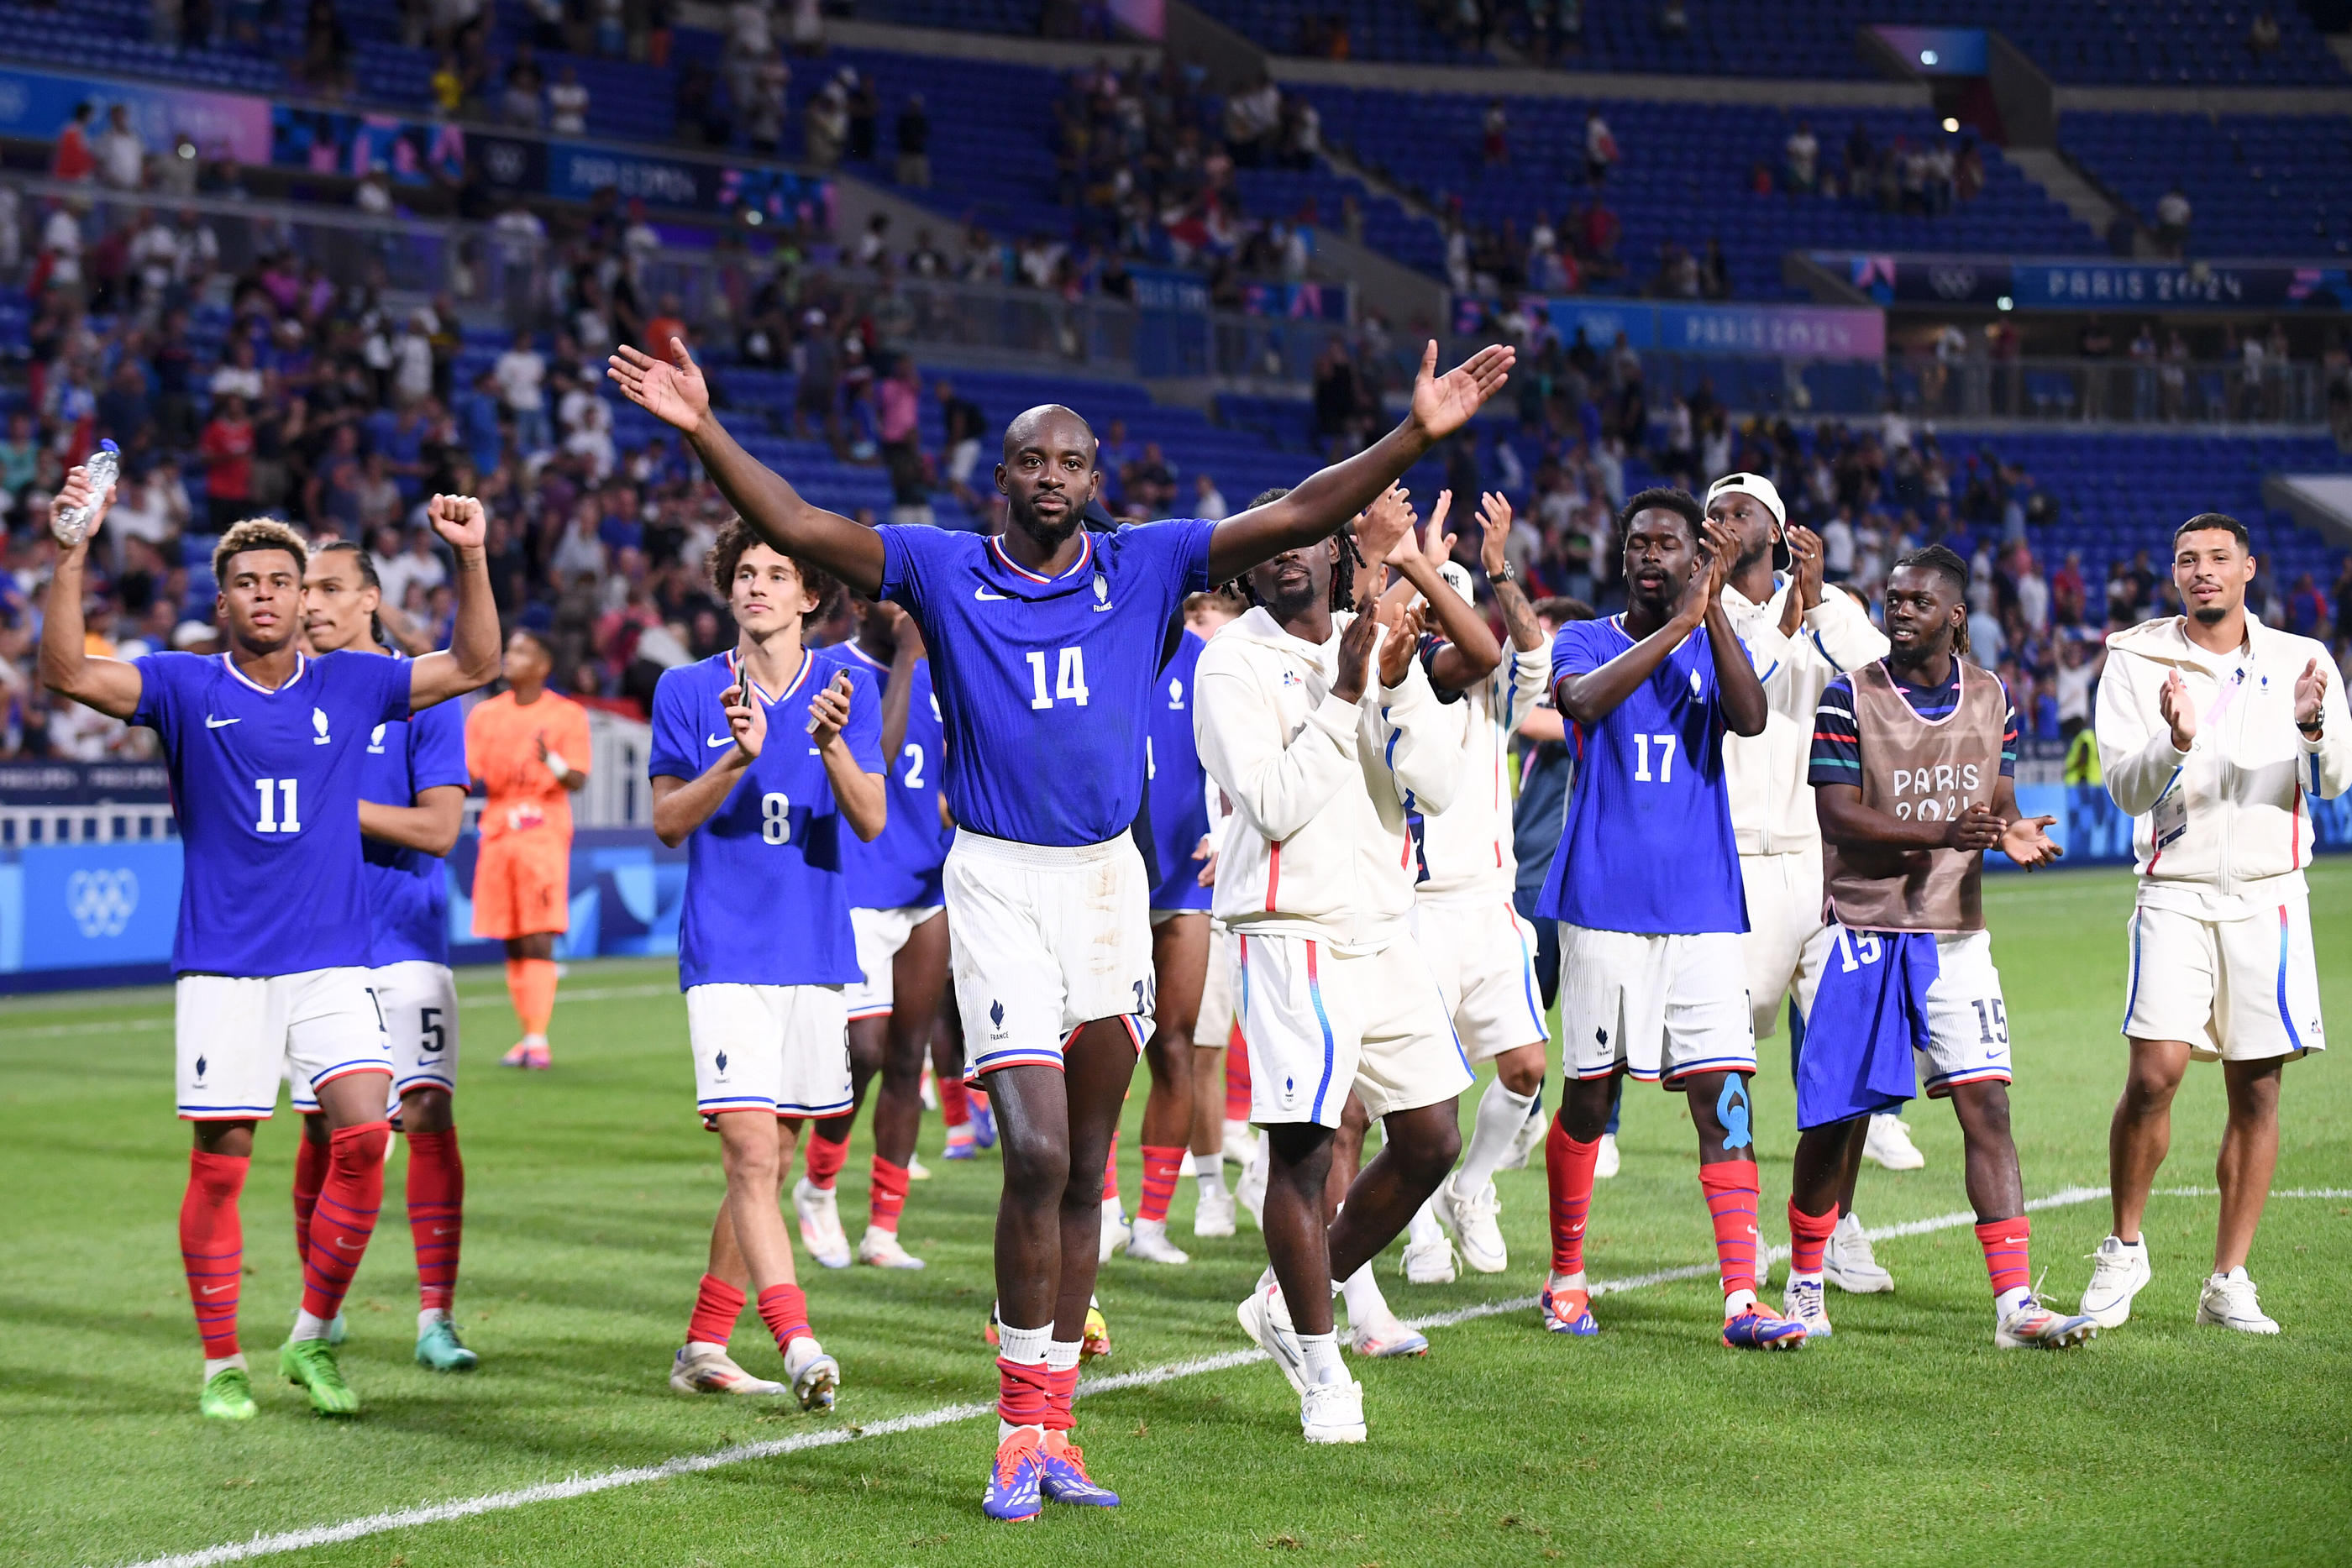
(767, 901)
(266, 786)
(1648, 847)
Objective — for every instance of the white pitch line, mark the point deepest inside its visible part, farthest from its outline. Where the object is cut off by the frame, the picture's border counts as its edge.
(948, 1415)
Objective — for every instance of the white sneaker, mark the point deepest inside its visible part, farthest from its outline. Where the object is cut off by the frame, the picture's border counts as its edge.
(1148, 1239)
(1429, 1262)
(1240, 1143)
(1213, 1215)
(1265, 1318)
(1889, 1143)
(820, 1216)
(1847, 1262)
(2119, 1271)
(2229, 1301)
(1528, 1139)
(1803, 1300)
(917, 1170)
(1471, 1222)
(1250, 1191)
(1332, 1412)
(1384, 1338)
(1605, 1162)
(881, 1248)
(815, 1374)
(2033, 1327)
(710, 1370)
(1116, 1231)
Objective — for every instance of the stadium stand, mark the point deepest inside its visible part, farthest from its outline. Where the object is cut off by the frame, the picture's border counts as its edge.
(2257, 184)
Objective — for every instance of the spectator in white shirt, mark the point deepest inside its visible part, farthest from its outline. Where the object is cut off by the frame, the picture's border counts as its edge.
(239, 376)
(1208, 501)
(1801, 155)
(121, 156)
(1837, 546)
(2032, 592)
(567, 105)
(521, 373)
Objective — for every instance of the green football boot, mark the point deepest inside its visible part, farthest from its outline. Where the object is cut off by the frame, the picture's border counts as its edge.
(228, 1396)
(312, 1364)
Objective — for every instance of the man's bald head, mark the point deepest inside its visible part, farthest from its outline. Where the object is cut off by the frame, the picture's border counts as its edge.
(1050, 428)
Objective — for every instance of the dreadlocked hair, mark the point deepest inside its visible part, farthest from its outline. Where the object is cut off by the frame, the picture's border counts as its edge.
(368, 579)
(1343, 571)
(1946, 562)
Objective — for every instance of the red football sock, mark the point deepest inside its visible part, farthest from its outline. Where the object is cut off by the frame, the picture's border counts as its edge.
(437, 1209)
(1237, 1078)
(717, 1305)
(212, 1246)
(346, 1214)
(310, 1176)
(825, 1160)
(1567, 1168)
(955, 1102)
(1061, 1388)
(886, 1194)
(1111, 1170)
(1808, 1234)
(1023, 1394)
(784, 1308)
(1159, 1168)
(2005, 1245)
(1731, 1188)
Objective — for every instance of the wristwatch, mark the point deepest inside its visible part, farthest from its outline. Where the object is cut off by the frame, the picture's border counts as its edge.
(1510, 573)
(2315, 729)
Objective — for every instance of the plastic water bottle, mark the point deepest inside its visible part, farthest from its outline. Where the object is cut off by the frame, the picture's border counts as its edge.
(71, 524)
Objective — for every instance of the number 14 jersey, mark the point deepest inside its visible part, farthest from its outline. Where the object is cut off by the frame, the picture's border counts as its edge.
(1648, 847)
(767, 900)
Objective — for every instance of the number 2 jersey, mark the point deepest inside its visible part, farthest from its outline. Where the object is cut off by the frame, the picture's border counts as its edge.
(901, 869)
(1044, 680)
(407, 889)
(1648, 847)
(267, 788)
(767, 896)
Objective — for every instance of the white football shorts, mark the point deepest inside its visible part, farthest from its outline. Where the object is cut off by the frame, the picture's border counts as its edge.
(1483, 955)
(1784, 911)
(1967, 1021)
(237, 1036)
(1046, 939)
(2236, 990)
(770, 1047)
(880, 933)
(420, 1013)
(1663, 1006)
(1319, 1023)
(1214, 1025)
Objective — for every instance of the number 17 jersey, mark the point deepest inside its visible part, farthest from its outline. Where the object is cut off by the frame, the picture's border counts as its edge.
(1648, 847)
(767, 901)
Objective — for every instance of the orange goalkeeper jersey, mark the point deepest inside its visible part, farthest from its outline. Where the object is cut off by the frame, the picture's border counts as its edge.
(503, 741)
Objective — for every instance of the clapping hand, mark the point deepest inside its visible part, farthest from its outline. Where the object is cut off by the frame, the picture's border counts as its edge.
(829, 712)
(747, 718)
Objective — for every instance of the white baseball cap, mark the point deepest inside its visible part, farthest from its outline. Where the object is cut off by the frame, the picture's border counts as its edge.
(1458, 578)
(1754, 485)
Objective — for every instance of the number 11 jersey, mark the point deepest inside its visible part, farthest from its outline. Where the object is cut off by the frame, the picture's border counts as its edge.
(767, 900)
(1648, 847)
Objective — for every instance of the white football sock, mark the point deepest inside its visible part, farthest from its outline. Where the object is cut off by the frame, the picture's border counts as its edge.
(1422, 1229)
(1213, 1178)
(216, 1365)
(1501, 1115)
(2009, 1300)
(1322, 1354)
(1365, 1302)
(307, 1326)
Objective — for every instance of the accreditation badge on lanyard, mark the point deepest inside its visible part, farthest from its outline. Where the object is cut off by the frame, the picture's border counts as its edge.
(2170, 814)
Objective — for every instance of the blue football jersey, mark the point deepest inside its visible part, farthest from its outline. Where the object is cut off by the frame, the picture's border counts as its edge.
(266, 786)
(1179, 799)
(1045, 681)
(408, 889)
(900, 870)
(767, 900)
(1869, 1015)
(1648, 845)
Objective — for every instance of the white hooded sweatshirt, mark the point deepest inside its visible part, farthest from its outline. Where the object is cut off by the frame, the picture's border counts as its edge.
(1316, 846)
(2222, 828)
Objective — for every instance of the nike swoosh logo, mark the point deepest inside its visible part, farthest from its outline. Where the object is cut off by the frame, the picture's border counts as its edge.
(217, 1289)
(345, 1244)
(717, 741)
(983, 593)
(444, 1231)
(211, 722)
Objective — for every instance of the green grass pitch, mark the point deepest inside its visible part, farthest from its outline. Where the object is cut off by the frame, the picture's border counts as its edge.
(1907, 1439)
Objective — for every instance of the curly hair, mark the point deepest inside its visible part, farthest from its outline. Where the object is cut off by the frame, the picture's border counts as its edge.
(1343, 571)
(258, 533)
(736, 536)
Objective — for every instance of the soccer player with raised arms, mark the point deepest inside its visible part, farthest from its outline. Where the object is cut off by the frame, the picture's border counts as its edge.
(2214, 731)
(766, 802)
(1645, 884)
(1045, 644)
(267, 751)
(411, 805)
(1913, 772)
